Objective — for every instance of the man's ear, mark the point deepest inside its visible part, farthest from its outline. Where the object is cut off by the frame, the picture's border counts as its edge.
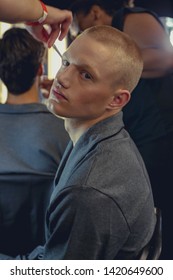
(40, 70)
(119, 100)
(100, 16)
(96, 12)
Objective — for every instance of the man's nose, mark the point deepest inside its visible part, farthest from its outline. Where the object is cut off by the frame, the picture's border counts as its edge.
(65, 76)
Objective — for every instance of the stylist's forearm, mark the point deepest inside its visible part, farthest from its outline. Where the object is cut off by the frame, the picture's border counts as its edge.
(13, 11)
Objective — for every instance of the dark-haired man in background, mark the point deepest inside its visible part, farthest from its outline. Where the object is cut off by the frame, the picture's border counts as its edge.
(32, 144)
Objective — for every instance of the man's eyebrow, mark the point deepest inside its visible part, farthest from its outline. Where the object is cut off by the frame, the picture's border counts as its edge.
(84, 65)
(89, 68)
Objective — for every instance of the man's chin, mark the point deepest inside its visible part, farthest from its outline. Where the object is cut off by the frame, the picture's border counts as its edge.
(51, 106)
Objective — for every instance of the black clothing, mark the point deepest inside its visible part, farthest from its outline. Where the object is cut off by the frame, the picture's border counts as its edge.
(148, 117)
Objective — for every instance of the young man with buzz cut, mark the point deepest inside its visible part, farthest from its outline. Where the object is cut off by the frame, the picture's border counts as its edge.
(102, 205)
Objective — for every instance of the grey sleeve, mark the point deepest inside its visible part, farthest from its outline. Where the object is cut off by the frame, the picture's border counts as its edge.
(84, 223)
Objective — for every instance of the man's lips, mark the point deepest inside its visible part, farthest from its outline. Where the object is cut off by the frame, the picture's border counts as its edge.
(58, 94)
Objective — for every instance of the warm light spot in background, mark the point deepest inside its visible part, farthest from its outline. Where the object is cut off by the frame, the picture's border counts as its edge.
(54, 60)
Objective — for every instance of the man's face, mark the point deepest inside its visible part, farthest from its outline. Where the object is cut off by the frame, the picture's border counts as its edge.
(83, 86)
(80, 23)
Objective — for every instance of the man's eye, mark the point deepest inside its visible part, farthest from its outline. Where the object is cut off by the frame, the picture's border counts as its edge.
(65, 62)
(86, 76)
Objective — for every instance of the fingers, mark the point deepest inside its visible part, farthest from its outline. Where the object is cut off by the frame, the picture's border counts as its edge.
(64, 29)
(58, 31)
(45, 82)
(45, 35)
(58, 22)
(38, 32)
(45, 86)
(54, 34)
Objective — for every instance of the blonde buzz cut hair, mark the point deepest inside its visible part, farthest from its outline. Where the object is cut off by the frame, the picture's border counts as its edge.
(126, 58)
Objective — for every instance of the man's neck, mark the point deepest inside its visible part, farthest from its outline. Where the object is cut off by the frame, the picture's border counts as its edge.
(30, 96)
(75, 128)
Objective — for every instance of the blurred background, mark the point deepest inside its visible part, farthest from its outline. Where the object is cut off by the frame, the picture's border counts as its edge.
(162, 7)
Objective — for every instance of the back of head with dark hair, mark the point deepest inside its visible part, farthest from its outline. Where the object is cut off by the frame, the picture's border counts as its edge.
(110, 6)
(20, 58)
